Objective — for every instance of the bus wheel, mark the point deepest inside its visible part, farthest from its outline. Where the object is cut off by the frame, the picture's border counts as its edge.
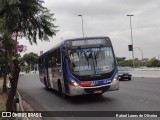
(60, 90)
(45, 83)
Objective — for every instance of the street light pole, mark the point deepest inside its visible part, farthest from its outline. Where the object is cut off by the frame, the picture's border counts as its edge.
(82, 24)
(132, 39)
(141, 54)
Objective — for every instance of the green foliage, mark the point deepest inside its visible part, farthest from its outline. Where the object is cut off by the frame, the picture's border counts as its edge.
(121, 58)
(153, 62)
(6, 41)
(123, 62)
(30, 58)
(29, 17)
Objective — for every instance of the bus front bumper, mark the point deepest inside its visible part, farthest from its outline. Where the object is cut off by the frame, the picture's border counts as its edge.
(78, 90)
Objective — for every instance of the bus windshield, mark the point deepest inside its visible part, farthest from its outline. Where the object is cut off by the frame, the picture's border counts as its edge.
(91, 61)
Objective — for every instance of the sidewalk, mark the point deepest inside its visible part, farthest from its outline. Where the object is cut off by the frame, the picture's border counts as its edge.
(3, 97)
(24, 104)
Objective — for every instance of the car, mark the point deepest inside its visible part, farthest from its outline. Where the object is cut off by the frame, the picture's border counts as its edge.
(33, 72)
(21, 73)
(124, 73)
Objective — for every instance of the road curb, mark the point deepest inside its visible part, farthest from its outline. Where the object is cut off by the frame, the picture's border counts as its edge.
(19, 106)
(145, 76)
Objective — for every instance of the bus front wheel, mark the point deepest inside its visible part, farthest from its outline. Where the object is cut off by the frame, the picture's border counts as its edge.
(61, 91)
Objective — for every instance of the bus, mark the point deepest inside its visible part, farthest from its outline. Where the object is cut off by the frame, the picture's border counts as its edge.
(80, 66)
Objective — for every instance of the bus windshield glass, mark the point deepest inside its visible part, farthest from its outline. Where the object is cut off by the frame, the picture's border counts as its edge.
(91, 61)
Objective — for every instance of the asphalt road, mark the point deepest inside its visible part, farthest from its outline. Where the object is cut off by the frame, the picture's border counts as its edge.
(139, 94)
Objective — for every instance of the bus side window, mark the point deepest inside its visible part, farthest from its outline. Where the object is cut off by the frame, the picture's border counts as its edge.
(53, 59)
(58, 57)
(49, 60)
(43, 62)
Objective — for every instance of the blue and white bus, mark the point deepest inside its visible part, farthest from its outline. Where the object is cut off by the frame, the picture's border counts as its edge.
(80, 66)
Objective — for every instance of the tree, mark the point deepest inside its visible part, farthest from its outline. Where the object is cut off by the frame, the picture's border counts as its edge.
(30, 58)
(33, 20)
(1, 65)
(6, 46)
(121, 58)
(153, 62)
(137, 62)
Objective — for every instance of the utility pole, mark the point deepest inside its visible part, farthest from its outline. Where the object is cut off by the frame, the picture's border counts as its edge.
(82, 24)
(132, 39)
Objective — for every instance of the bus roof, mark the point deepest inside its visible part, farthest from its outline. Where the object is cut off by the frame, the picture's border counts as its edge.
(87, 38)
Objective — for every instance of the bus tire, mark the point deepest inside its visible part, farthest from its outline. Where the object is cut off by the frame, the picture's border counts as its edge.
(61, 91)
(45, 83)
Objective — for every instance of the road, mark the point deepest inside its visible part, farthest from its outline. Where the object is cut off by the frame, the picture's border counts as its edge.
(139, 94)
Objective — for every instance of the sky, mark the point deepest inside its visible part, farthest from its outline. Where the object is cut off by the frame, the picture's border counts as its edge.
(106, 18)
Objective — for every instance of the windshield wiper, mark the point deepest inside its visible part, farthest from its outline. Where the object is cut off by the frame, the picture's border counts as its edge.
(87, 58)
(85, 55)
(96, 54)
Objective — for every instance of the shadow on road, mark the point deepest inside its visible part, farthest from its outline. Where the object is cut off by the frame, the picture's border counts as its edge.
(89, 99)
(83, 99)
(126, 80)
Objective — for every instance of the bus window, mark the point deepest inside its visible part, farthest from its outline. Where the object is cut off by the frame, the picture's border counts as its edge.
(49, 60)
(58, 58)
(39, 63)
(43, 62)
(53, 59)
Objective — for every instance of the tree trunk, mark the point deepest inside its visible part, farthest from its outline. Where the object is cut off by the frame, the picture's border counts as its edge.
(5, 73)
(14, 81)
(4, 83)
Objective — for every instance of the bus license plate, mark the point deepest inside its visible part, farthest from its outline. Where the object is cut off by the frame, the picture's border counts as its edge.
(97, 91)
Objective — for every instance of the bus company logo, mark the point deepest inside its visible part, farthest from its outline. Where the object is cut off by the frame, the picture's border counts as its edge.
(94, 83)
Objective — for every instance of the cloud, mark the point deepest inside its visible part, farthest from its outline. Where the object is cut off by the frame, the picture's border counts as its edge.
(108, 18)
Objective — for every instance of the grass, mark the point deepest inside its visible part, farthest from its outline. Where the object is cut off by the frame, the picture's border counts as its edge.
(3, 97)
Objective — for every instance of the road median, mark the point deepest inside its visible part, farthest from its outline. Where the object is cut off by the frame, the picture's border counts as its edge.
(147, 74)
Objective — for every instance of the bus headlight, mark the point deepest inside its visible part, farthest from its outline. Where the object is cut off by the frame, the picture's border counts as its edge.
(73, 82)
(115, 79)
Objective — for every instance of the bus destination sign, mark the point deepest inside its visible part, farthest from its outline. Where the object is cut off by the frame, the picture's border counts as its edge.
(86, 42)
